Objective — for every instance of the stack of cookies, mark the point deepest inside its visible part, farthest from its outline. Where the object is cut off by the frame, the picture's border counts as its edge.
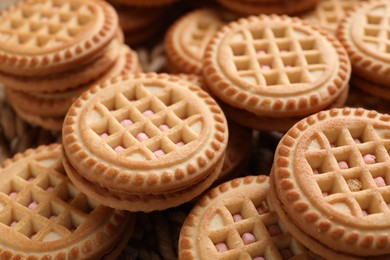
(141, 20)
(144, 142)
(52, 51)
(366, 37)
(268, 72)
(330, 183)
(44, 216)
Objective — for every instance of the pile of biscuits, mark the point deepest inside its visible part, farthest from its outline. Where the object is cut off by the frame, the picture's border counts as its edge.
(142, 142)
(54, 50)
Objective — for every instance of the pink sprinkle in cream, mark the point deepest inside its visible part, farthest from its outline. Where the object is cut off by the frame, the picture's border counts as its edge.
(148, 113)
(221, 247)
(343, 165)
(388, 205)
(14, 223)
(265, 67)
(142, 137)
(33, 205)
(369, 158)
(159, 153)
(31, 179)
(357, 141)
(104, 135)
(237, 217)
(262, 52)
(50, 189)
(52, 217)
(259, 258)
(163, 128)
(180, 144)
(274, 230)
(325, 194)
(380, 182)
(315, 171)
(364, 212)
(119, 149)
(262, 209)
(248, 238)
(13, 195)
(126, 122)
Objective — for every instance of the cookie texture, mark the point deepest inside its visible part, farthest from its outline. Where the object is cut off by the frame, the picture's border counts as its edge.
(331, 176)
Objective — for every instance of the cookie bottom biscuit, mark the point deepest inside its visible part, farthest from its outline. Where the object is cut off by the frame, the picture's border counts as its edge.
(312, 244)
(140, 202)
(374, 89)
(282, 124)
(288, 7)
(50, 123)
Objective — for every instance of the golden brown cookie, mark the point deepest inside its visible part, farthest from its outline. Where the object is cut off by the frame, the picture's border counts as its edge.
(187, 38)
(47, 37)
(236, 221)
(44, 216)
(329, 13)
(276, 67)
(364, 33)
(331, 177)
(144, 142)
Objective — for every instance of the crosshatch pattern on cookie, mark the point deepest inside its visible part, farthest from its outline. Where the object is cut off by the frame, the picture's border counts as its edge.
(53, 33)
(276, 63)
(328, 13)
(146, 122)
(346, 170)
(238, 229)
(369, 44)
(356, 162)
(39, 202)
(43, 26)
(277, 55)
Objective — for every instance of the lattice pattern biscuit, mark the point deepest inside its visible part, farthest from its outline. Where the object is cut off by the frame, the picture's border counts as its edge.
(331, 174)
(329, 13)
(143, 3)
(289, 7)
(44, 216)
(236, 221)
(145, 135)
(276, 66)
(46, 37)
(186, 40)
(365, 35)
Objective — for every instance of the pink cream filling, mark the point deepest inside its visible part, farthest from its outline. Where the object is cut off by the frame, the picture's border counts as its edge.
(14, 223)
(104, 135)
(159, 153)
(126, 122)
(262, 209)
(248, 238)
(163, 128)
(343, 165)
(180, 144)
(262, 52)
(221, 247)
(13, 195)
(119, 149)
(369, 158)
(357, 141)
(259, 258)
(52, 217)
(380, 182)
(142, 137)
(148, 113)
(50, 189)
(31, 179)
(33, 205)
(265, 67)
(237, 217)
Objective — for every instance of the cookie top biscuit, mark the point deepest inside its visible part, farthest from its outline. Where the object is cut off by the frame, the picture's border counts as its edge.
(43, 215)
(331, 174)
(365, 35)
(145, 133)
(236, 221)
(276, 66)
(42, 37)
(186, 40)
